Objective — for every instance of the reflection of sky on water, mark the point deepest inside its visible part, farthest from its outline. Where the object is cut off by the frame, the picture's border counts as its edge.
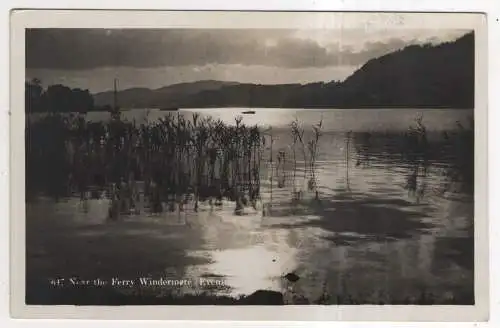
(373, 238)
(248, 269)
(339, 120)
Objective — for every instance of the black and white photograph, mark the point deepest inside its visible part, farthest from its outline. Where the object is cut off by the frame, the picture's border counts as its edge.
(251, 166)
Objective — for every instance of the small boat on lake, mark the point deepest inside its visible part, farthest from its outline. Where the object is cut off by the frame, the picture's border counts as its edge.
(248, 112)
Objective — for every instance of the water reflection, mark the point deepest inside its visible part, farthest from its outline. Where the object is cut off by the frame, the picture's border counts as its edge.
(371, 217)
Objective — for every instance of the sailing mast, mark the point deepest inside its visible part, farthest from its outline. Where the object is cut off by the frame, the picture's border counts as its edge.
(115, 95)
(116, 109)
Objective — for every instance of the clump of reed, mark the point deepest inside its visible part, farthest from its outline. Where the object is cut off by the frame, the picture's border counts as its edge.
(297, 133)
(267, 207)
(459, 176)
(455, 148)
(47, 163)
(347, 158)
(448, 155)
(409, 149)
(177, 158)
(415, 154)
(309, 151)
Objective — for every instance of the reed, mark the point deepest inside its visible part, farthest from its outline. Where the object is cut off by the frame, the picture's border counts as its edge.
(178, 159)
(459, 175)
(298, 139)
(447, 157)
(347, 158)
(313, 153)
(309, 149)
(295, 139)
(271, 164)
(416, 156)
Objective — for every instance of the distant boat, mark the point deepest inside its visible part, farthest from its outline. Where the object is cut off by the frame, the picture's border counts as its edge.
(169, 109)
(249, 112)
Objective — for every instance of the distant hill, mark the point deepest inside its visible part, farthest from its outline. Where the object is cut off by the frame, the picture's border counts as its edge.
(418, 76)
(169, 96)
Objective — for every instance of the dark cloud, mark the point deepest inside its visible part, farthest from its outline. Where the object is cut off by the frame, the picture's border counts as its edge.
(82, 49)
(373, 49)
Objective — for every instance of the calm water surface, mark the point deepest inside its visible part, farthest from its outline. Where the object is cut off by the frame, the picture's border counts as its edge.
(367, 236)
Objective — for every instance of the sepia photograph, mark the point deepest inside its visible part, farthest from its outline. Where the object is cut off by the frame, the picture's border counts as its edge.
(253, 165)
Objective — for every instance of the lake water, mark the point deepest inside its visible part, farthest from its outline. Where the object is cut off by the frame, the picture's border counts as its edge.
(367, 236)
(357, 120)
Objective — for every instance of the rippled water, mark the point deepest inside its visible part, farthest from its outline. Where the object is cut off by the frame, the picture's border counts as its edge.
(366, 237)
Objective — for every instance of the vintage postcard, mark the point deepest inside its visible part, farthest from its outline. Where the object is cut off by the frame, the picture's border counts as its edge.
(286, 165)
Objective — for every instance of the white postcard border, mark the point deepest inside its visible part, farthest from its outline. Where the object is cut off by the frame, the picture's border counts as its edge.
(154, 19)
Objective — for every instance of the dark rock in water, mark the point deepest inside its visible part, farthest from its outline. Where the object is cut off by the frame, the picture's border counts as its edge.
(300, 300)
(265, 297)
(292, 277)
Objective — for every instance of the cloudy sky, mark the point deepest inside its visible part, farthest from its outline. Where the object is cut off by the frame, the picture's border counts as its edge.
(92, 58)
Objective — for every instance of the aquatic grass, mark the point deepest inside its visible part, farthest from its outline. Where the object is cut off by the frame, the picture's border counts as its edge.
(280, 168)
(309, 150)
(416, 157)
(459, 176)
(313, 153)
(347, 158)
(179, 160)
(266, 209)
(187, 160)
(447, 155)
(295, 138)
(298, 136)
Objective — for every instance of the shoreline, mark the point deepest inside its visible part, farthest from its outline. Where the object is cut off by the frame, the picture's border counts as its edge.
(112, 297)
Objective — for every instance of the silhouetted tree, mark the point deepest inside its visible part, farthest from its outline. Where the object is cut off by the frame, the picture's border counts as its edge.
(60, 99)
(33, 95)
(56, 99)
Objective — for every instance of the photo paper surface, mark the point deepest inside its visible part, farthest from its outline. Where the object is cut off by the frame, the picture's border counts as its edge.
(269, 162)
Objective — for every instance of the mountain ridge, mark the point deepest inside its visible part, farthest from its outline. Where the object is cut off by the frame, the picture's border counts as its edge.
(420, 76)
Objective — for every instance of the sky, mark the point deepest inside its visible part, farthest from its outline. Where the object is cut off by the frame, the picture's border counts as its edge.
(153, 58)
